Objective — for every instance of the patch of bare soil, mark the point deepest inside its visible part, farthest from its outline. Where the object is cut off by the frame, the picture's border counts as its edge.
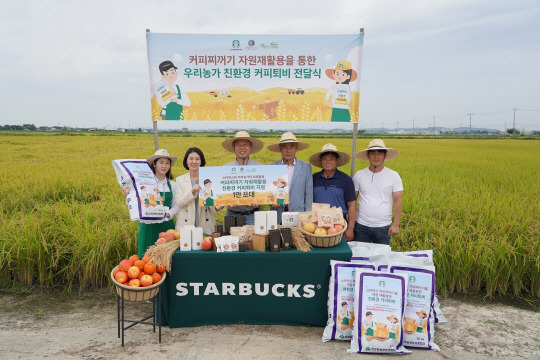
(59, 326)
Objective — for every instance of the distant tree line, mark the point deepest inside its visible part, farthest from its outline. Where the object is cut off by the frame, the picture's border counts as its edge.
(23, 127)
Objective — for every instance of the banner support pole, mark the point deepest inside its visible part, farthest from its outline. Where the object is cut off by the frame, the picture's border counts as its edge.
(156, 143)
(154, 124)
(355, 132)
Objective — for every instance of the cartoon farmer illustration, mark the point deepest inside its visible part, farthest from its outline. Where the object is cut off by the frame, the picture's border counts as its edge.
(392, 327)
(280, 191)
(158, 197)
(421, 321)
(145, 198)
(340, 93)
(169, 94)
(207, 193)
(369, 325)
(345, 317)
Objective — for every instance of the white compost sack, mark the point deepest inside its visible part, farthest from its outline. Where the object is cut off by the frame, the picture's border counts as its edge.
(439, 317)
(418, 322)
(379, 303)
(361, 252)
(143, 200)
(341, 300)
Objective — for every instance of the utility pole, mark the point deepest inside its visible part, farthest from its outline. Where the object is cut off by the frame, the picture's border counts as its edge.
(433, 124)
(514, 126)
(413, 126)
(470, 122)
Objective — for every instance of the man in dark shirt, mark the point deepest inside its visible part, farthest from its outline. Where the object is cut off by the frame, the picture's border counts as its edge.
(334, 187)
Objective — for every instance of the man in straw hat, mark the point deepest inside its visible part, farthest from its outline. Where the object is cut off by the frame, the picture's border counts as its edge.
(243, 145)
(334, 187)
(380, 190)
(300, 176)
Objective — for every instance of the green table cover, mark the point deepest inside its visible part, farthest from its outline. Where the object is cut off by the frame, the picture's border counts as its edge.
(252, 287)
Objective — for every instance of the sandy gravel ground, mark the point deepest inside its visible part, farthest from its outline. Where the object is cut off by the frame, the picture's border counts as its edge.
(56, 326)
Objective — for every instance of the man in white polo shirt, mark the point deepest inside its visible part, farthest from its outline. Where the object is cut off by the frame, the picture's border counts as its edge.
(380, 190)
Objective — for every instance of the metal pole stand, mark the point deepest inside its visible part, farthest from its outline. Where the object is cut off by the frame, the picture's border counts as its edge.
(156, 305)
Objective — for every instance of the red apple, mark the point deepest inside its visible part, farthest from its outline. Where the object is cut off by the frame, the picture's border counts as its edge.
(161, 241)
(134, 283)
(207, 243)
(132, 259)
(121, 277)
(162, 235)
(146, 280)
(124, 265)
(139, 264)
(338, 227)
(115, 271)
(133, 272)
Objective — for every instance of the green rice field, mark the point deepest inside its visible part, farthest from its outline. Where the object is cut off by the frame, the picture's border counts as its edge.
(475, 202)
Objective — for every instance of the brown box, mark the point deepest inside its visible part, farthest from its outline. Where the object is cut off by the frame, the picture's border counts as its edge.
(214, 236)
(260, 241)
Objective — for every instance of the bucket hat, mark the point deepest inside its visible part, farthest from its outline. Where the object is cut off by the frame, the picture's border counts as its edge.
(161, 153)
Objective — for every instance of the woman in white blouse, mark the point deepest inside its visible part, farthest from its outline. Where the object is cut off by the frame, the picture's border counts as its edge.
(187, 195)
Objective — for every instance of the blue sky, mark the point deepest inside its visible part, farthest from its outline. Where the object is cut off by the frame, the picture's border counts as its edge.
(84, 63)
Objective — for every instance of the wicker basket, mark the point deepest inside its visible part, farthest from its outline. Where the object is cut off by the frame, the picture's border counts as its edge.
(137, 293)
(324, 240)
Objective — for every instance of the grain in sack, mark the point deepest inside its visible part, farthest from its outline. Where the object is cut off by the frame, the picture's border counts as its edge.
(341, 300)
(143, 200)
(379, 304)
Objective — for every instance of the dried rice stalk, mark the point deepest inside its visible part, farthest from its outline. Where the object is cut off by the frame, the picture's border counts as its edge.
(299, 241)
(162, 254)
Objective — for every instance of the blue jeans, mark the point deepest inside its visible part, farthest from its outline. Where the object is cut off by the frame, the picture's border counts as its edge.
(377, 235)
(250, 219)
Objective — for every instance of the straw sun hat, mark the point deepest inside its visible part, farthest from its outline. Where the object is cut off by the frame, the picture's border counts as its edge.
(286, 138)
(342, 65)
(377, 144)
(161, 153)
(343, 158)
(256, 144)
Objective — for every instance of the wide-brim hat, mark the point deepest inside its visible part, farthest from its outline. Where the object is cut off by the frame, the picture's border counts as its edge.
(286, 138)
(280, 180)
(161, 153)
(421, 312)
(392, 317)
(342, 65)
(377, 144)
(256, 144)
(343, 158)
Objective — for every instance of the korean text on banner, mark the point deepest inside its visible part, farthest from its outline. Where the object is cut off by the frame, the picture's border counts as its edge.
(255, 77)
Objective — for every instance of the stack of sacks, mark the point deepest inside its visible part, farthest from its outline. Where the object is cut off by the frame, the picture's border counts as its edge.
(382, 300)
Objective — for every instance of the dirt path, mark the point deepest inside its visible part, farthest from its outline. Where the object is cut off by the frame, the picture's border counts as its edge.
(57, 326)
